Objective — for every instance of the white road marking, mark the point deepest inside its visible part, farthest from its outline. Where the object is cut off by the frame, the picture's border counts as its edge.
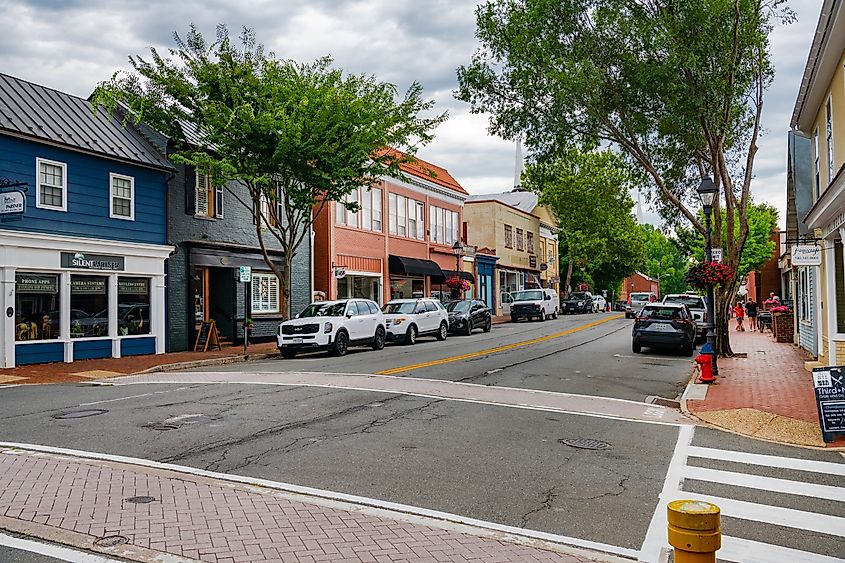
(769, 460)
(51, 550)
(789, 517)
(497, 370)
(181, 417)
(656, 538)
(129, 397)
(347, 502)
(766, 483)
(748, 551)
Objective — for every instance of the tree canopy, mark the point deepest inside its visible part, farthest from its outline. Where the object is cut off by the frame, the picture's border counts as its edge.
(665, 260)
(286, 136)
(676, 85)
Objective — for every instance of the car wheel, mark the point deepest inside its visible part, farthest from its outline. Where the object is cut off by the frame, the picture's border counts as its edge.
(554, 315)
(488, 324)
(636, 348)
(469, 327)
(411, 336)
(341, 344)
(287, 353)
(543, 317)
(443, 332)
(514, 319)
(688, 349)
(378, 339)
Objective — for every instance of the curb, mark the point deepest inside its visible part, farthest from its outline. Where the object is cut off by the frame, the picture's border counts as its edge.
(226, 360)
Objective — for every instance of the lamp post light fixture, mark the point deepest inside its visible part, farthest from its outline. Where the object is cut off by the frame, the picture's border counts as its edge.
(707, 192)
(458, 249)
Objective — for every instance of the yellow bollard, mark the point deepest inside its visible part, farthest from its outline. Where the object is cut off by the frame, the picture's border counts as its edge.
(694, 531)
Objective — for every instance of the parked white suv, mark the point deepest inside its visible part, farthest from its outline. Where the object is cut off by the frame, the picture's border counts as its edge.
(406, 319)
(333, 326)
(697, 307)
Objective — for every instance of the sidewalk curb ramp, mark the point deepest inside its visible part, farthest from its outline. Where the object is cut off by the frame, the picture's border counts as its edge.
(338, 501)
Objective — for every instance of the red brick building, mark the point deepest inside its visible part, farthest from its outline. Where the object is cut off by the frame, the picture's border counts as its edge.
(768, 279)
(399, 244)
(639, 283)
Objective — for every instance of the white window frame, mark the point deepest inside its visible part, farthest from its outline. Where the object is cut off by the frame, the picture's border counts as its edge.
(112, 177)
(377, 210)
(401, 216)
(38, 162)
(420, 220)
(218, 202)
(412, 218)
(391, 200)
(260, 307)
(352, 216)
(366, 209)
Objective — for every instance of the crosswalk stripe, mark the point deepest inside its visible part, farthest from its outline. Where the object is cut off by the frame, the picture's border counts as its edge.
(748, 551)
(768, 460)
(765, 483)
(789, 517)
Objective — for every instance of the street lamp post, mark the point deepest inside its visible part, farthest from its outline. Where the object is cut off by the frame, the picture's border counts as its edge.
(458, 249)
(707, 191)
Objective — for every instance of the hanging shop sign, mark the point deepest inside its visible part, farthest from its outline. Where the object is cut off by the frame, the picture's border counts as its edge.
(87, 286)
(12, 205)
(133, 286)
(544, 267)
(806, 255)
(532, 261)
(36, 283)
(86, 261)
(340, 273)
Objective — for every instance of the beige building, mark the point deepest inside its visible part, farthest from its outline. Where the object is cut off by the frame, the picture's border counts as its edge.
(523, 235)
(820, 116)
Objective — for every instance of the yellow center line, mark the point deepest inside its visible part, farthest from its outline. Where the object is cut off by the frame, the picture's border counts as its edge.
(401, 369)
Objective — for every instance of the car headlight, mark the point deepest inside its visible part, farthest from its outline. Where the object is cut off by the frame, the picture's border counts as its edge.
(327, 328)
(580, 303)
(399, 320)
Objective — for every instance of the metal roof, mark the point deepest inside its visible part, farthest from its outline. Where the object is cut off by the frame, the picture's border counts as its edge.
(524, 201)
(43, 114)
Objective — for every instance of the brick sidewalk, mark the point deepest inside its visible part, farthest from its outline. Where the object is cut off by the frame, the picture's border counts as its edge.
(87, 370)
(204, 519)
(768, 394)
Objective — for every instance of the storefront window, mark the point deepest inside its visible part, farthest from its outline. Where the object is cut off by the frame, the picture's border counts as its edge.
(407, 288)
(37, 304)
(359, 287)
(89, 306)
(133, 306)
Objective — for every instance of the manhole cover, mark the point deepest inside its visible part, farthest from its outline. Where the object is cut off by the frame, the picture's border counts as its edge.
(79, 414)
(163, 427)
(141, 500)
(585, 443)
(111, 541)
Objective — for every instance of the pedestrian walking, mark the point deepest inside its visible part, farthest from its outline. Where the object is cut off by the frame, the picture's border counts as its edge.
(751, 310)
(739, 311)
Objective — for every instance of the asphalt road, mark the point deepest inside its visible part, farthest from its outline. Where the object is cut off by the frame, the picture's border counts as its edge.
(494, 463)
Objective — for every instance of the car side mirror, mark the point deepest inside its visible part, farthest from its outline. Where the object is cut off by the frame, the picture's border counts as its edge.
(349, 315)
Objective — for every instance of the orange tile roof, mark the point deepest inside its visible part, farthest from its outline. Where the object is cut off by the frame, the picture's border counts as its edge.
(428, 171)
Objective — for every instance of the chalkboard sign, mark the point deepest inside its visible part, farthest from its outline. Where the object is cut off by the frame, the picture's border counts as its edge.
(829, 383)
(207, 336)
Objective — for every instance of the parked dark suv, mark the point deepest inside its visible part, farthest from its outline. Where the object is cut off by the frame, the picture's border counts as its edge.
(666, 325)
(578, 302)
(469, 314)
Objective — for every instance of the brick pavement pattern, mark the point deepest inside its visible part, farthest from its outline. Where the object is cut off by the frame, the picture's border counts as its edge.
(203, 519)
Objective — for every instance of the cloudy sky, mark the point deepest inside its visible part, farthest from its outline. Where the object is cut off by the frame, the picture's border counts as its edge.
(72, 44)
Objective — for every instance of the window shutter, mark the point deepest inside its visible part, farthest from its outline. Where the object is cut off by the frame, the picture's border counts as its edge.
(218, 201)
(201, 195)
(190, 190)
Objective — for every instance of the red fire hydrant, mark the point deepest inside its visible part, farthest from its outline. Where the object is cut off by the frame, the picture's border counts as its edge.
(705, 364)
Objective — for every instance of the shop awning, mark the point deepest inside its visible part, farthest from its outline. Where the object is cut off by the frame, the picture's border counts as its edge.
(405, 266)
(463, 275)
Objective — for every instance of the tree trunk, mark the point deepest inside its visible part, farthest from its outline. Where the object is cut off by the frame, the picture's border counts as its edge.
(568, 277)
(724, 299)
(286, 285)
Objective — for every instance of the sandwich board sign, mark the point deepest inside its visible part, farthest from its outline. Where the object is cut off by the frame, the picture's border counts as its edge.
(829, 384)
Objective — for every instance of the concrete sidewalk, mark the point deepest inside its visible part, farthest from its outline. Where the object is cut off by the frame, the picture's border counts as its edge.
(88, 370)
(158, 514)
(767, 394)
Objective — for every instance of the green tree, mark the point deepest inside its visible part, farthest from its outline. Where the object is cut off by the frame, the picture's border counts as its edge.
(759, 246)
(665, 260)
(677, 85)
(588, 191)
(290, 136)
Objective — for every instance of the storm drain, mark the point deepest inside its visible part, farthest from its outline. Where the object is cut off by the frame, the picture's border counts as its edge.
(140, 500)
(585, 443)
(111, 541)
(79, 414)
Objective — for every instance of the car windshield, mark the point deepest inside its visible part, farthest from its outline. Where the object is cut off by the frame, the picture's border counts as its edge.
(405, 308)
(661, 312)
(690, 301)
(640, 296)
(528, 296)
(323, 310)
(458, 306)
(578, 295)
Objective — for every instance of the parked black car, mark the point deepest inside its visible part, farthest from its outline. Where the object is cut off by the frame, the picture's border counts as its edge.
(578, 302)
(469, 314)
(667, 325)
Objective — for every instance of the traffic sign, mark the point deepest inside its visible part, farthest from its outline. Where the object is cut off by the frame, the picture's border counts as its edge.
(245, 274)
(717, 254)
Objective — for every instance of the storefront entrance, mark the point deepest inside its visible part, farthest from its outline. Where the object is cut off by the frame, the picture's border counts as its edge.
(359, 286)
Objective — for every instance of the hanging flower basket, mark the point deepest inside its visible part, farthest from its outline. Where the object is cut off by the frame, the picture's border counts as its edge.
(709, 273)
(457, 283)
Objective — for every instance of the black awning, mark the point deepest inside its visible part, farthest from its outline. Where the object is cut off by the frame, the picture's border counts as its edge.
(404, 266)
(456, 274)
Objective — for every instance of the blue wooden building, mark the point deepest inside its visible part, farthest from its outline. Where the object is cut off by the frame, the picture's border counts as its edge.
(82, 270)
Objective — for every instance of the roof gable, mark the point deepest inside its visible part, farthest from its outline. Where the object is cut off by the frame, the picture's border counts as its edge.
(427, 171)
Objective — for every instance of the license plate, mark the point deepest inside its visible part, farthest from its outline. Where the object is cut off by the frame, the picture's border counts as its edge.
(661, 327)
(297, 341)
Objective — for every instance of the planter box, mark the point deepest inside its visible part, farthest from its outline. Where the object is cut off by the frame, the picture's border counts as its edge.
(783, 327)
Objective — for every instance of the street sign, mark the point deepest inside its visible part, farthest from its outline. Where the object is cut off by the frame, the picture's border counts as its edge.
(829, 384)
(245, 274)
(806, 255)
(717, 254)
(340, 273)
